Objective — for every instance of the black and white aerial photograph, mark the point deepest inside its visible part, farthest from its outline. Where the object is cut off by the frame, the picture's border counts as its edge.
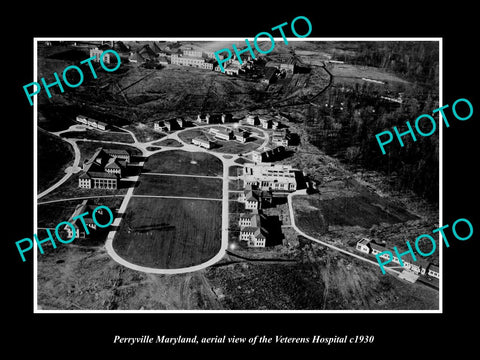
(209, 179)
(241, 181)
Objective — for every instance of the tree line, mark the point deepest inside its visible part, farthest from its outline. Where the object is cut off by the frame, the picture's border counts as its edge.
(351, 114)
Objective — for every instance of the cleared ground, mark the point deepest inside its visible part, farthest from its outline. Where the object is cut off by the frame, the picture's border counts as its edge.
(320, 279)
(184, 162)
(169, 233)
(313, 213)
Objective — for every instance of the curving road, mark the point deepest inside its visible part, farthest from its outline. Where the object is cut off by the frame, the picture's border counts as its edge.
(294, 226)
(69, 171)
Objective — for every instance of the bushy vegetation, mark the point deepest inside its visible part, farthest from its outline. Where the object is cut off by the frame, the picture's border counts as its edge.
(354, 113)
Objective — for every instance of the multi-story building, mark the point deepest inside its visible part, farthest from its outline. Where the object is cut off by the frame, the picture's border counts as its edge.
(241, 136)
(434, 270)
(252, 119)
(252, 231)
(97, 53)
(270, 177)
(104, 169)
(205, 143)
(203, 118)
(267, 155)
(222, 133)
(266, 123)
(364, 246)
(198, 62)
(281, 138)
(192, 53)
(91, 122)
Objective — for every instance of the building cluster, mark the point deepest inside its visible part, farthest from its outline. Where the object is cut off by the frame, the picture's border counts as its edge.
(104, 169)
(227, 134)
(286, 64)
(214, 119)
(254, 199)
(270, 177)
(153, 53)
(252, 230)
(169, 125)
(265, 123)
(188, 57)
(222, 133)
(267, 155)
(419, 266)
(76, 220)
(92, 122)
(281, 138)
(202, 142)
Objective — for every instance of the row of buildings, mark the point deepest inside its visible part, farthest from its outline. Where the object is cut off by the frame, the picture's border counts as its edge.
(104, 169)
(261, 181)
(221, 133)
(214, 119)
(188, 57)
(419, 266)
(265, 123)
(91, 122)
(227, 134)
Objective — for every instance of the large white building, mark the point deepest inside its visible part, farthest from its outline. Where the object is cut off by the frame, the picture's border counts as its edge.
(270, 177)
(97, 53)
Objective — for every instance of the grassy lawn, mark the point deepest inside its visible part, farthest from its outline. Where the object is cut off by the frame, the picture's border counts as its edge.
(190, 134)
(236, 184)
(183, 162)
(168, 142)
(99, 135)
(49, 215)
(145, 133)
(235, 170)
(235, 147)
(54, 155)
(169, 233)
(179, 186)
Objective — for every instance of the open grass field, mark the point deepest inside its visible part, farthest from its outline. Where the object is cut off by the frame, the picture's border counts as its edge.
(184, 162)
(53, 155)
(169, 233)
(166, 185)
